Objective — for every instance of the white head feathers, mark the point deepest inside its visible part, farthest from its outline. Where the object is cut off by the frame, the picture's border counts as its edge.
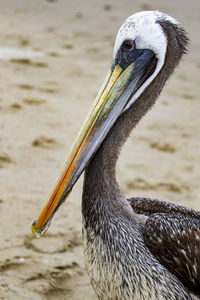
(147, 33)
(143, 28)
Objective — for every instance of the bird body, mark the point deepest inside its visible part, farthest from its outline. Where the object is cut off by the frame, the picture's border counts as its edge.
(138, 248)
(119, 262)
(120, 265)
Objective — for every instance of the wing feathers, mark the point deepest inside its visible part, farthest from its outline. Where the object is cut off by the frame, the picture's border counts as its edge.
(149, 206)
(175, 241)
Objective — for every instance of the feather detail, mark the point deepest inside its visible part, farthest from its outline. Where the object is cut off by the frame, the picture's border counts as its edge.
(175, 242)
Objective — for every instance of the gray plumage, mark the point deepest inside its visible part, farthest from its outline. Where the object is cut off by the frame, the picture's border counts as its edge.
(172, 233)
(141, 248)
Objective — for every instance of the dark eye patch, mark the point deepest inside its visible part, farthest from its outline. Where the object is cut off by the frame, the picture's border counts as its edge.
(126, 54)
(128, 45)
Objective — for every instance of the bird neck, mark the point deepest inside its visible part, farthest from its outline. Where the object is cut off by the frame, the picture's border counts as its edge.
(100, 186)
(100, 183)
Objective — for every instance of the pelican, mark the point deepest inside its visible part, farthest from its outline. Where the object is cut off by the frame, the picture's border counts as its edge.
(135, 248)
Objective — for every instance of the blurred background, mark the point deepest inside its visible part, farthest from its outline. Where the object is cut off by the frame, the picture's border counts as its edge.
(53, 58)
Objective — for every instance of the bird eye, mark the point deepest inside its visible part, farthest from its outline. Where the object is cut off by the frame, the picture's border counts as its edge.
(128, 45)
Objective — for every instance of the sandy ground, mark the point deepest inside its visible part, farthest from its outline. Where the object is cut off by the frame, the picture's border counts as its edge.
(54, 56)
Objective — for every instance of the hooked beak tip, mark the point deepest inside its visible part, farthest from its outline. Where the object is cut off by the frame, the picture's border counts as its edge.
(34, 230)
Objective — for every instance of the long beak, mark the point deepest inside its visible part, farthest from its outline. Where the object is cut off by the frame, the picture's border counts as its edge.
(109, 104)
